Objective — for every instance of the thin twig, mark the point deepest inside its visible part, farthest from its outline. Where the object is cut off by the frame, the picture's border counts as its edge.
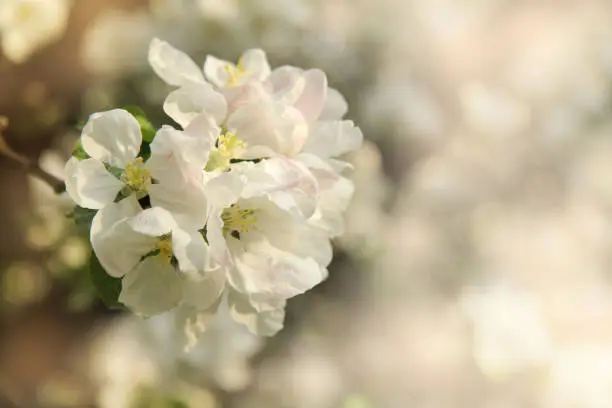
(30, 166)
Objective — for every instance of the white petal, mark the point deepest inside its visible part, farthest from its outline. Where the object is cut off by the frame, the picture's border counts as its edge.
(288, 234)
(189, 205)
(330, 139)
(243, 95)
(216, 71)
(312, 99)
(112, 137)
(269, 272)
(176, 163)
(288, 183)
(254, 61)
(314, 243)
(204, 128)
(333, 202)
(185, 103)
(89, 184)
(184, 152)
(223, 189)
(335, 106)
(117, 246)
(218, 246)
(151, 288)
(173, 66)
(263, 324)
(191, 251)
(153, 222)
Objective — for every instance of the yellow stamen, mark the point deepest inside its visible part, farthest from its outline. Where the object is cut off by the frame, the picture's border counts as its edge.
(136, 176)
(236, 74)
(229, 147)
(164, 245)
(238, 219)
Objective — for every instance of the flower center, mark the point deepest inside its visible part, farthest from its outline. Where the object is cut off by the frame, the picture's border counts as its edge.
(237, 220)
(136, 176)
(229, 147)
(164, 246)
(235, 74)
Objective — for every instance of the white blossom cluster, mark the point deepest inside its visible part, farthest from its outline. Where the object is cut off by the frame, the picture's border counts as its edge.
(237, 206)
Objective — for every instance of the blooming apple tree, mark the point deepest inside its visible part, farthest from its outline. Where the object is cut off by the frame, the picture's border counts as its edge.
(235, 204)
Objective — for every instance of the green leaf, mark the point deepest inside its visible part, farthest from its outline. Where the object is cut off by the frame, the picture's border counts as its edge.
(108, 287)
(172, 403)
(80, 125)
(79, 152)
(145, 150)
(146, 127)
(82, 218)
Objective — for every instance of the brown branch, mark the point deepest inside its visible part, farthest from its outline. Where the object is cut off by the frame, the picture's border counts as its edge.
(30, 166)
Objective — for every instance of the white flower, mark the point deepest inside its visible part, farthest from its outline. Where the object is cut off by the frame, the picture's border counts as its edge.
(264, 239)
(173, 175)
(243, 201)
(28, 25)
(112, 140)
(177, 165)
(328, 140)
(141, 247)
(253, 64)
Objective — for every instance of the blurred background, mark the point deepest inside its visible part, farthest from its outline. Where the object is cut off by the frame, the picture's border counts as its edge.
(475, 269)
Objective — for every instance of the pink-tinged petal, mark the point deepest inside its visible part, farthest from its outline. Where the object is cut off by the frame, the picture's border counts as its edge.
(286, 83)
(255, 63)
(269, 272)
(118, 247)
(112, 137)
(333, 202)
(173, 66)
(244, 95)
(186, 103)
(269, 128)
(287, 183)
(335, 106)
(89, 184)
(151, 288)
(331, 139)
(312, 99)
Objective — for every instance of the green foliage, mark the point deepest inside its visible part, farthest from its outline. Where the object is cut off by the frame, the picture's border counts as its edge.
(146, 127)
(79, 152)
(108, 287)
(82, 218)
(150, 398)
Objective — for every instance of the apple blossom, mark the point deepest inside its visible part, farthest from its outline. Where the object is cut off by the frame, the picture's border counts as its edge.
(236, 210)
